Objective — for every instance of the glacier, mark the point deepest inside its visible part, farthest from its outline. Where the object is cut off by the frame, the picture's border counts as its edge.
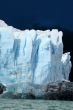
(32, 57)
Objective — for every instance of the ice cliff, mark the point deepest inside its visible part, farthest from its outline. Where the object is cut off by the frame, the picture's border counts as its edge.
(32, 56)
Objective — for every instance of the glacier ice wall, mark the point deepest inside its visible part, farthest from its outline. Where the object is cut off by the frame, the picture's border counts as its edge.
(32, 56)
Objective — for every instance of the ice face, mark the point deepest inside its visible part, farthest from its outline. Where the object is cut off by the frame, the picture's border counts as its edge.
(32, 56)
(66, 65)
(44, 61)
(49, 66)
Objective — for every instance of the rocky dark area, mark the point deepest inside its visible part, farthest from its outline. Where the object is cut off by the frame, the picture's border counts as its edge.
(2, 88)
(53, 91)
(59, 91)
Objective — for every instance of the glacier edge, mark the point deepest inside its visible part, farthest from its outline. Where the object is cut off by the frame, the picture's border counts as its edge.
(32, 56)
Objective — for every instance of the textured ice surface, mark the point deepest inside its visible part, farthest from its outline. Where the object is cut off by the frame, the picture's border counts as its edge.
(66, 65)
(32, 56)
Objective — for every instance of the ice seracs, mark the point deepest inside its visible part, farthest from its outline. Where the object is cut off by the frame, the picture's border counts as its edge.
(32, 56)
(66, 65)
(3, 24)
(49, 65)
